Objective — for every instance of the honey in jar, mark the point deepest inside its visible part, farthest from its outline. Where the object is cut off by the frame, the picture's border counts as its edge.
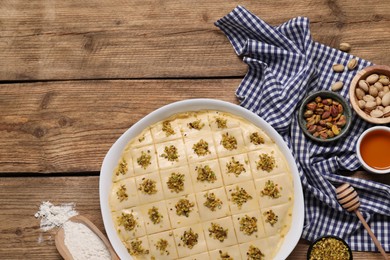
(375, 149)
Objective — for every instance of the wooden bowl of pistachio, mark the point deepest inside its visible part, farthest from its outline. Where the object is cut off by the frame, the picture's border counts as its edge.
(324, 116)
(369, 94)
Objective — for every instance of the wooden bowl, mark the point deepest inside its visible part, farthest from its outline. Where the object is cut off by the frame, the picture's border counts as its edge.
(363, 74)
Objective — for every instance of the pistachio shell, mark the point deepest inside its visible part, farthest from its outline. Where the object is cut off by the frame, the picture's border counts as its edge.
(344, 46)
(368, 98)
(352, 63)
(386, 111)
(376, 113)
(337, 86)
(363, 85)
(361, 104)
(386, 89)
(359, 93)
(372, 78)
(378, 86)
(338, 67)
(381, 94)
(384, 80)
(370, 105)
(378, 101)
(380, 108)
(373, 91)
(386, 99)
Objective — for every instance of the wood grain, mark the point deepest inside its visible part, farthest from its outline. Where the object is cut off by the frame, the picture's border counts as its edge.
(47, 40)
(70, 126)
(20, 198)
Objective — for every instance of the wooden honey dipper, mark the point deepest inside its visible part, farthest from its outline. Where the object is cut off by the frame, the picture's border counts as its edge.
(349, 200)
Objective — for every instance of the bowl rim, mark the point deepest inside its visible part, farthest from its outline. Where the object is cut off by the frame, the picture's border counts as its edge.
(347, 112)
(384, 69)
(328, 236)
(359, 141)
(110, 160)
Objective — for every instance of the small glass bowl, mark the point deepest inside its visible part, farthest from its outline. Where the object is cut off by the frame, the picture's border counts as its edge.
(323, 238)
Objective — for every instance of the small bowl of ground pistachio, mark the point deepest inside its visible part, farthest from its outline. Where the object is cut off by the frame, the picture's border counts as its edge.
(329, 247)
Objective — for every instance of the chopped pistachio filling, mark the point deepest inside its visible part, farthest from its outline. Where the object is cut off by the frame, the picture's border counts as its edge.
(235, 167)
(221, 122)
(212, 202)
(205, 174)
(229, 142)
(248, 225)
(162, 245)
(121, 193)
(240, 196)
(167, 128)
(266, 162)
(329, 248)
(271, 217)
(197, 124)
(189, 238)
(201, 148)
(256, 139)
(136, 248)
(122, 168)
(155, 215)
(254, 253)
(148, 186)
(145, 159)
(224, 255)
(271, 190)
(170, 153)
(184, 207)
(128, 221)
(216, 231)
(176, 182)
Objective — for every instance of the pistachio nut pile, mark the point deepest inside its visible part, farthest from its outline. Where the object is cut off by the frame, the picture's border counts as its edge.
(373, 95)
(324, 118)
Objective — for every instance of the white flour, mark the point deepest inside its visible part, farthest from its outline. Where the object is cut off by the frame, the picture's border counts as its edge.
(54, 216)
(83, 243)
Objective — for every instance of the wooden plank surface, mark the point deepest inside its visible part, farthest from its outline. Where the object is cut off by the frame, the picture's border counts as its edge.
(45, 40)
(20, 198)
(70, 126)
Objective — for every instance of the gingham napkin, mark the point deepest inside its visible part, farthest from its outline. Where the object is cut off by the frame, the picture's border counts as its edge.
(285, 64)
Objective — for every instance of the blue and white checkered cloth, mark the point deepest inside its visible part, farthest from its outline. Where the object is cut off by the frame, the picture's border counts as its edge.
(285, 64)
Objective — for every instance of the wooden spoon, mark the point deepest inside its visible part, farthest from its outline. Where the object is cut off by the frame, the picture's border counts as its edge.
(349, 200)
(60, 238)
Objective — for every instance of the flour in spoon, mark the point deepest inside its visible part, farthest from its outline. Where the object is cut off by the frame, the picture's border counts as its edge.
(83, 243)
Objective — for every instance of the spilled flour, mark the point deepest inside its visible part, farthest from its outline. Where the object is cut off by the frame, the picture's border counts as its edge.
(54, 216)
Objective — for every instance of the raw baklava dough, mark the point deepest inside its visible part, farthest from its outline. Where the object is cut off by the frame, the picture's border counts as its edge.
(202, 185)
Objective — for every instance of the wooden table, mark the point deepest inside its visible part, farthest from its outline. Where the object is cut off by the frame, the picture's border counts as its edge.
(76, 74)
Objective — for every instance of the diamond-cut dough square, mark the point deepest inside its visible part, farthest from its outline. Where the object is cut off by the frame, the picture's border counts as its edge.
(182, 249)
(144, 244)
(202, 256)
(261, 244)
(234, 132)
(233, 252)
(283, 182)
(170, 252)
(139, 229)
(148, 198)
(164, 224)
(225, 223)
(276, 241)
(131, 191)
(206, 213)
(181, 221)
(161, 136)
(166, 174)
(137, 153)
(284, 216)
(280, 164)
(164, 163)
(241, 236)
(192, 132)
(251, 204)
(205, 185)
(230, 178)
(192, 156)
(143, 139)
(126, 157)
(230, 122)
(248, 130)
